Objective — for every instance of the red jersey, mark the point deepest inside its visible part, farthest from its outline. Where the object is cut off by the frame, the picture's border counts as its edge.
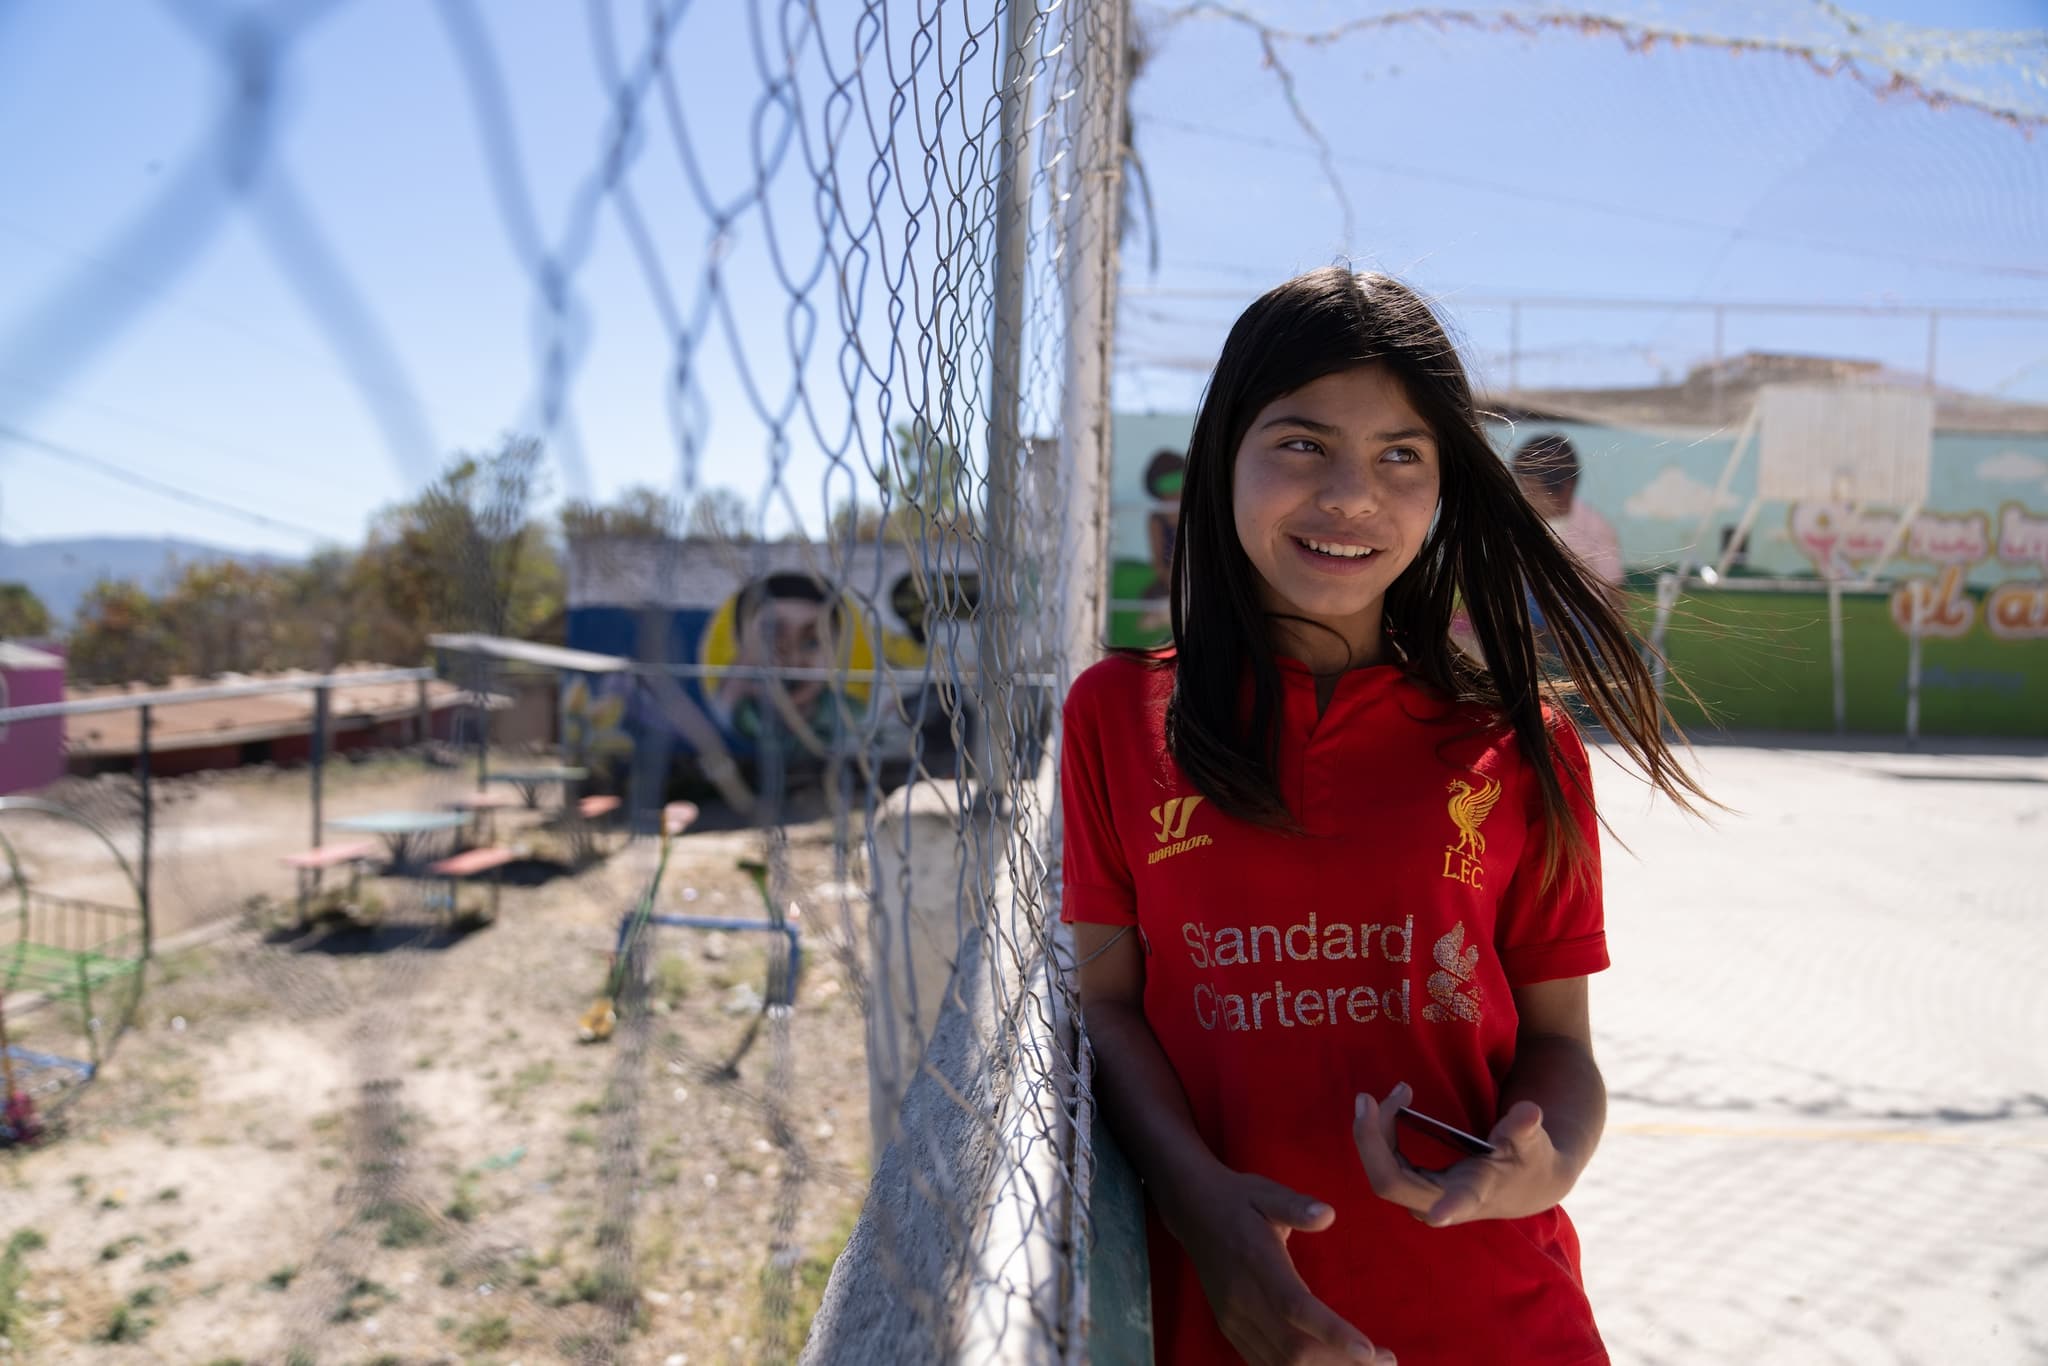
(1286, 972)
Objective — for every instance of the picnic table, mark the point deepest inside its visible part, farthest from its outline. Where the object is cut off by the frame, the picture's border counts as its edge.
(480, 807)
(530, 781)
(403, 832)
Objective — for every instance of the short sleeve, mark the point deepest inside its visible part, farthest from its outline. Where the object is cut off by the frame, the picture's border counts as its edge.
(1095, 878)
(1546, 933)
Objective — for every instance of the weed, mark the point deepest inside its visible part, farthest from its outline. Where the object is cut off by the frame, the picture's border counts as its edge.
(582, 1137)
(170, 1261)
(114, 1251)
(673, 979)
(525, 1079)
(167, 1194)
(404, 1225)
(488, 1335)
(462, 1206)
(596, 1285)
(282, 1278)
(364, 1298)
(124, 1325)
(12, 1275)
(786, 1307)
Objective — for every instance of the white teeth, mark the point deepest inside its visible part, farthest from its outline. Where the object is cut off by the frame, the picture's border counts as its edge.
(1342, 552)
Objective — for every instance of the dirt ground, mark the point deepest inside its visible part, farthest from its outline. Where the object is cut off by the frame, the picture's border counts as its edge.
(387, 1144)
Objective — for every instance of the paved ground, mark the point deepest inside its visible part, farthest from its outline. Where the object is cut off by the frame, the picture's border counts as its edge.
(1826, 1036)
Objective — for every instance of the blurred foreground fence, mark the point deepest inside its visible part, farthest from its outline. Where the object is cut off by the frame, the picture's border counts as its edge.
(887, 274)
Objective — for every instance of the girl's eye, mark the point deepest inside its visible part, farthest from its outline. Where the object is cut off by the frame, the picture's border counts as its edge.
(1404, 455)
(1300, 443)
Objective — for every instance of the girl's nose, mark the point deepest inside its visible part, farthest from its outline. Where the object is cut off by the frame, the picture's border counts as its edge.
(1348, 490)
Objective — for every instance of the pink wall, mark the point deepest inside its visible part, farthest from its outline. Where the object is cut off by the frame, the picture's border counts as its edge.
(31, 752)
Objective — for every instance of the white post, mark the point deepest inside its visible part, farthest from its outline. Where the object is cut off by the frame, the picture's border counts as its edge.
(1913, 669)
(1090, 230)
(998, 638)
(1835, 649)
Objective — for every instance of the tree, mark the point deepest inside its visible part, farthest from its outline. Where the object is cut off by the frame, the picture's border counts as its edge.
(925, 488)
(220, 616)
(121, 637)
(22, 613)
(463, 556)
(719, 514)
(638, 513)
(929, 477)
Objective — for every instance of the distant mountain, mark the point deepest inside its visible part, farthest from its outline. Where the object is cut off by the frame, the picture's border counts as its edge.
(60, 572)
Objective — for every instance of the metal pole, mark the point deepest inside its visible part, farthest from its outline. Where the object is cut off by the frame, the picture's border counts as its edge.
(1720, 337)
(322, 705)
(1090, 288)
(1913, 669)
(483, 725)
(148, 822)
(425, 719)
(1933, 345)
(1835, 654)
(996, 614)
(1515, 347)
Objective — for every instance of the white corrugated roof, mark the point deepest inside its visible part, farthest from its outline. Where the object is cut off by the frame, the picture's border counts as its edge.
(14, 656)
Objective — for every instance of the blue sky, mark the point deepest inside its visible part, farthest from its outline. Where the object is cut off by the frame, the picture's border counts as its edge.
(1480, 165)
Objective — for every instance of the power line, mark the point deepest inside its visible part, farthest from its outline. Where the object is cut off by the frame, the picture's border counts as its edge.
(171, 491)
(1588, 205)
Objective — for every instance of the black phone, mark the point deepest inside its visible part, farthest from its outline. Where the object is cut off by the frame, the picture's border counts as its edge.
(1447, 1134)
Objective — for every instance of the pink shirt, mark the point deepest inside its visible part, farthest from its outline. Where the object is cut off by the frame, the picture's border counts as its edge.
(1591, 537)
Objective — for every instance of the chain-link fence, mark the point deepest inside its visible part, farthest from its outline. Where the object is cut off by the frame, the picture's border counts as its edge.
(534, 1067)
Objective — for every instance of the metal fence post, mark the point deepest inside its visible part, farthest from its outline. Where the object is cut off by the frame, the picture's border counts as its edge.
(148, 821)
(322, 707)
(1089, 242)
(996, 641)
(1913, 671)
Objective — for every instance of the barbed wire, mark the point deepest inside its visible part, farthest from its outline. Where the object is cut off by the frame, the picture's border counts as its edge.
(1889, 60)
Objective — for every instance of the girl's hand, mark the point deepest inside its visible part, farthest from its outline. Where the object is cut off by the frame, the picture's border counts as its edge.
(1236, 1234)
(1524, 1176)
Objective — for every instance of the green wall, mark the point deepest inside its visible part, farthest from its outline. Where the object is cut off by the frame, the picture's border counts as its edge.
(1759, 661)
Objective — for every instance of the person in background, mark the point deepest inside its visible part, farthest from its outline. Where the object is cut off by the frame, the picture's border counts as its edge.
(1547, 468)
(1163, 476)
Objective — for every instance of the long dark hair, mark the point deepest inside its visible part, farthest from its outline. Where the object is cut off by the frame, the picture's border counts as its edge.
(1487, 546)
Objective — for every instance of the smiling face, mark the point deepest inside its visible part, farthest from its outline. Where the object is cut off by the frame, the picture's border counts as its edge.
(1333, 492)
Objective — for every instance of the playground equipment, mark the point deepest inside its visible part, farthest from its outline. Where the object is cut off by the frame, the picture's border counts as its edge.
(629, 954)
(84, 957)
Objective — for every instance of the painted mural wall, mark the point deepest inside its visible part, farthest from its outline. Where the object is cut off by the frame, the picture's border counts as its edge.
(769, 606)
(1974, 565)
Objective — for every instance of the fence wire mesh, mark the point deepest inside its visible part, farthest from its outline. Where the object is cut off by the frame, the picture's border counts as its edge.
(876, 243)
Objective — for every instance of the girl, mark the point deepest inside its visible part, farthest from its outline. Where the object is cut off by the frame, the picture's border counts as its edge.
(1322, 866)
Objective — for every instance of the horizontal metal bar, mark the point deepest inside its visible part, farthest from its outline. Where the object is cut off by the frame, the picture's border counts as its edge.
(1745, 584)
(760, 673)
(174, 696)
(51, 1062)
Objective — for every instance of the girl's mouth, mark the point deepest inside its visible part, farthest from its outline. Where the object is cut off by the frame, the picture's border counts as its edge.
(1336, 551)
